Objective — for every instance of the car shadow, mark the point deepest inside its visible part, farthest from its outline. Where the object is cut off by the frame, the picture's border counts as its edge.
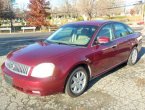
(141, 53)
(95, 80)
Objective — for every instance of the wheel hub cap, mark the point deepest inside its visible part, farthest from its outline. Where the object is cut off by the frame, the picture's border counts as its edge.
(78, 82)
(134, 56)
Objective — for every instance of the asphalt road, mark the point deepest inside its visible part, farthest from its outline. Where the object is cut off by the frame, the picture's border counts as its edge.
(9, 42)
(6, 38)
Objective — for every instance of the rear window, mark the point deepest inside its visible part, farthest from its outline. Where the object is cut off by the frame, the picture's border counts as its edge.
(120, 30)
(131, 31)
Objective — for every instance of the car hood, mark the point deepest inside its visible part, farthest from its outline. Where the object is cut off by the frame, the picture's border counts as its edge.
(40, 53)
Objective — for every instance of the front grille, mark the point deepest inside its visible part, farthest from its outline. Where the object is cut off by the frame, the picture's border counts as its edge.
(17, 68)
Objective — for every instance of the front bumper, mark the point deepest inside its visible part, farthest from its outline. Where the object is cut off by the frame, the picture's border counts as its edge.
(31, 85)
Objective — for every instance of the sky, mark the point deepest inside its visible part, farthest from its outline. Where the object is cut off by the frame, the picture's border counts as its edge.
(132, 1)
(23, 3)
(55, 3)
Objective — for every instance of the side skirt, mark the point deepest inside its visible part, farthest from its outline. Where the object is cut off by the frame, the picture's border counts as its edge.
(97, 75)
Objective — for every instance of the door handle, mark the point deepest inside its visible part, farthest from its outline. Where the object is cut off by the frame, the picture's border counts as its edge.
(114, 46)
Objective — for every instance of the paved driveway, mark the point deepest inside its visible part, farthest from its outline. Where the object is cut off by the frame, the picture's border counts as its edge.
(120, 89)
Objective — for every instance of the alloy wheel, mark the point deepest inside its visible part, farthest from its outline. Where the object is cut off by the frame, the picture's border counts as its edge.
(78, 82)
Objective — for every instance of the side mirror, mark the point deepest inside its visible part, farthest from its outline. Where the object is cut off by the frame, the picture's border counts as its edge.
(103, 40)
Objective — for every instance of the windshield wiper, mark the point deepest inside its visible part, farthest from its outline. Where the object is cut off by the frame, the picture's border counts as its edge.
(62, 43)
(75, 44)
(47, 41)
(69, 44)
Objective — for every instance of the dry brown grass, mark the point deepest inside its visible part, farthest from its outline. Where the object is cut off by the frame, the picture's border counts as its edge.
(140, 82)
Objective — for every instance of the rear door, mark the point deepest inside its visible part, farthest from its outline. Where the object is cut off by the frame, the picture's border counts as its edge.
(122, 39)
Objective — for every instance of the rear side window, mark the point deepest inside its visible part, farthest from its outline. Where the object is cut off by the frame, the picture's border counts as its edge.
(120, 30)
(131, 31)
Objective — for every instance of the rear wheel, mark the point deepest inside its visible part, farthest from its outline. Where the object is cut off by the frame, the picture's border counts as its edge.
(133, 57)
(77, 82)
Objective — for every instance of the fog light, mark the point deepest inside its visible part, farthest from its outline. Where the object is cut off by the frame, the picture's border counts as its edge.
(36, 92)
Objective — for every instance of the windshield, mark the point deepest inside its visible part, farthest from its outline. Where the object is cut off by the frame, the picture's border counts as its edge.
(73, 35)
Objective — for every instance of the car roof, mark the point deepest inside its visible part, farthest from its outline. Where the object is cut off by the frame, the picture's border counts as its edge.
(93, 23)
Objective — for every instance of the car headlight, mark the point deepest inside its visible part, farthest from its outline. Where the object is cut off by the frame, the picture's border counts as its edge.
(43, 70)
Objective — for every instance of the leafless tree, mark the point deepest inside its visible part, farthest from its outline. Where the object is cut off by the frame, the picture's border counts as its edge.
(91, 8)
(109, 7)
(67, 7)
(86, 7)
(138, 8)
(1, 6)
(103, 7)
(6, 11)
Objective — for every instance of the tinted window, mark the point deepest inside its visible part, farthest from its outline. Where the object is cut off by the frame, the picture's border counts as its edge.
(106, 31)
(129, 30)
(120, 30)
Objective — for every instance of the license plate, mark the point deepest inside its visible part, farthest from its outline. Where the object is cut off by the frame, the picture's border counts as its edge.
(8, 79)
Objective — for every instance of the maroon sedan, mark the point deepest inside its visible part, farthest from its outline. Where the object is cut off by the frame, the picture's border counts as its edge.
(71, 57)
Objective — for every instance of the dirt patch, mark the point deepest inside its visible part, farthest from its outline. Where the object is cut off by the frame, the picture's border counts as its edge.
(91, 100)
(2, 59)
(140, 82)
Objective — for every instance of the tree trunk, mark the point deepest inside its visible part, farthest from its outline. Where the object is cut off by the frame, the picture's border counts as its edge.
(11, 22)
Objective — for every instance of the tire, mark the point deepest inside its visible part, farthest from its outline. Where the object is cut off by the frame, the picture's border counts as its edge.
(133, 57)
(77, 82)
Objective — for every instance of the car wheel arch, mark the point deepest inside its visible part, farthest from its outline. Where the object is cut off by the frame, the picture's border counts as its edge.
(135, 45)
(84, 65)
(129, 62)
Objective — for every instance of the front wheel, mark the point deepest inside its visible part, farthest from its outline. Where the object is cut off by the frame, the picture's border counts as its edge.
(77, 82)
(133, 57)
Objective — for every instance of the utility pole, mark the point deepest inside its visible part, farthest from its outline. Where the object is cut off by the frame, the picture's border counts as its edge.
(143, 12)
(141, 2)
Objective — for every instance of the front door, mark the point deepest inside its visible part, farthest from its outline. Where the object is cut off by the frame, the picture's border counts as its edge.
(104, 54)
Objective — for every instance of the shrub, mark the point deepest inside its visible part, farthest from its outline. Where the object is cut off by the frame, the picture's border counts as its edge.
(80, 18)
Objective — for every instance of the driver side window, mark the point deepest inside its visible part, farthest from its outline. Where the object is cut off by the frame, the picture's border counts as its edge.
(106, 31)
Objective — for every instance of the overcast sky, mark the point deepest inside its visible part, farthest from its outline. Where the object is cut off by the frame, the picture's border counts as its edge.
(23, 3)
(57, 3)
